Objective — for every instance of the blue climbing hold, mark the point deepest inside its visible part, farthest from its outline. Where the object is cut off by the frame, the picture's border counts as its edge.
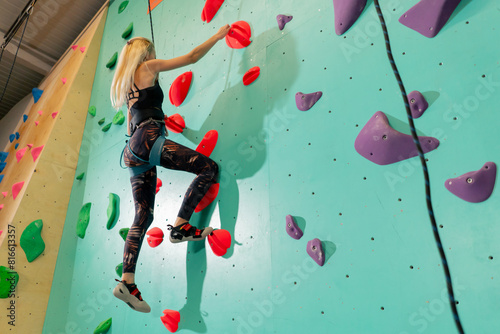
(37, 93)
(2, 166)
(3, 156)
(16, 146)
(1, 178)
(25, 118)
(17, 135)
(12, 137)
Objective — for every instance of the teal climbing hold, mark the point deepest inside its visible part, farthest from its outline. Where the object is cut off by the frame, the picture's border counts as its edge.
(119, 118)
(8, 281)
(101, 121)
(92, 110)
(113, 210)
(122, 7)
(106, 127)
(3, 156)
(37, 93)
(80, 177)
(83, 220)
(119, 269)
(124, 232)
(112, 60)
(31, 240)
(128, 31)
(103, 327)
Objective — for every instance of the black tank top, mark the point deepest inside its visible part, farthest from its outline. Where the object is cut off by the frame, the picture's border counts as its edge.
(148, 104)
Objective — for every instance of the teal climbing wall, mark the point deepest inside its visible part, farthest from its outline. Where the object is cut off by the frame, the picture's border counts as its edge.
(383, 273)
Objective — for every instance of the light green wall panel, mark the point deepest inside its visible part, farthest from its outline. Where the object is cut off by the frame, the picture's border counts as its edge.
(383, 272)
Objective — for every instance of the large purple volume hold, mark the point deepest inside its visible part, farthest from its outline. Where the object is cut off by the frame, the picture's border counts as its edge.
(346, 13)
(428, 17)
(315, 250)
(292, 228)
(381, 144)
(475, 186)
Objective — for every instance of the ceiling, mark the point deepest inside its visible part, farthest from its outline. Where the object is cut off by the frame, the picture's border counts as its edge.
(52, 27)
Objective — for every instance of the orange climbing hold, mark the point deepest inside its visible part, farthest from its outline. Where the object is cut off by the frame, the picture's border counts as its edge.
(20, 154)
(207, 144)
(239, 35)
(16, 188)
(180, 88)
(219, 241)
(210, 9)
(209, 197)
(171, 320)
(35, 153)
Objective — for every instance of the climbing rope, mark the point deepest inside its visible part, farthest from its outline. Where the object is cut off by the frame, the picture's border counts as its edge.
(449, 284)
(151, 21)
(15, 56)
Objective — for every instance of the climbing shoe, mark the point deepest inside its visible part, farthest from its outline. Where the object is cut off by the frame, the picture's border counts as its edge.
(187, 232)
(131, 295)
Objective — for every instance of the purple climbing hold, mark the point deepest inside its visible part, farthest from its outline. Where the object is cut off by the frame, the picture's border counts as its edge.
(428, 17)
(418, 104)
(292, 228)
(474, 186)
(315, 250)
(282, 20)
(306, 101)
(381, 144)
(346, 13)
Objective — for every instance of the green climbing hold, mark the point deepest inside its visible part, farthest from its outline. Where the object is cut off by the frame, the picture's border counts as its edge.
(8, 281)
(106, 127)
(124, 232)
(119, 118)
(112, 60)
(122, 7)
(83, 220)
(31, 240)
(92, 110)
(113, 210)
(101, 121)
(119, 269)
(103, 327)
(128, 31)
(80, 177)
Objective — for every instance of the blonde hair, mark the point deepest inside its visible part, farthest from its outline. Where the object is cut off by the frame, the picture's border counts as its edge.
(133, 54)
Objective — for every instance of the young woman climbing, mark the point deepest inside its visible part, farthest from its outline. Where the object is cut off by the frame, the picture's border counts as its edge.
(136, 84)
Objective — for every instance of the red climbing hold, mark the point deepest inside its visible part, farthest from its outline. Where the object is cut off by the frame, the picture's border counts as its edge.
(207, 144)
(158, 185)
(5, 194)
(211, 8)
(40, 112)
(211, 194)
(155, 236)
(251, 75)
(16, 188)
(30, 145)
(82, 49)
(74, 47)
(64, 80)
(54, 114)
(20, 154)
(36, 152)
(171, 320)
(1, 207)
(219, 241)
(180, 88)
(36, 123)
(239, 35)
(175, 123)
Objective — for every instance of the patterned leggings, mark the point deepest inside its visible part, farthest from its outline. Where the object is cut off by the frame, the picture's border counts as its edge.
(173, 156)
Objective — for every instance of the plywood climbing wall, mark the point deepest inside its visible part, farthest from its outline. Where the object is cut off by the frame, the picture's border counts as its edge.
(382, 273)
(48, 180)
